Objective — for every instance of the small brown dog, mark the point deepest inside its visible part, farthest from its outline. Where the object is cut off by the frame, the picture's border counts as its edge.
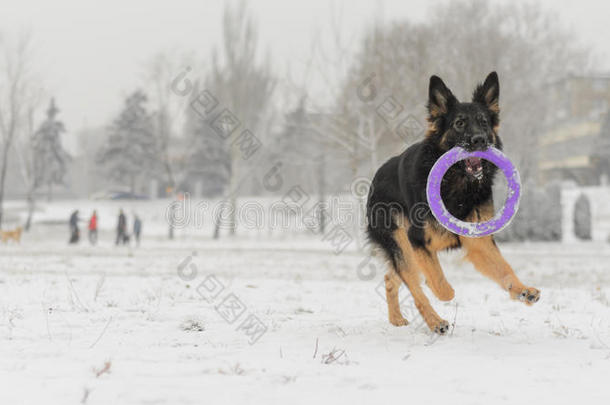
(15, 234)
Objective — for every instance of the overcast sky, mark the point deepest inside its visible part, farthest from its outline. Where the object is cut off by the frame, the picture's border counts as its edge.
(91, 53)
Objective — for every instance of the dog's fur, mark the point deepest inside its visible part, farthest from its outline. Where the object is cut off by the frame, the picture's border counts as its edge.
(15, 235)
(400, 221)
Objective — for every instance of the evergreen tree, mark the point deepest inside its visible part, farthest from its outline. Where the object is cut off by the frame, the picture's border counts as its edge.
(131, 148)
(50, 158)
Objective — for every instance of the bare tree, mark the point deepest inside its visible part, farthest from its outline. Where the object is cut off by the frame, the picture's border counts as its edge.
(327, 122)
(15, 94)
(244, 84)
(523, 42)
(168, 117)
(26, 153)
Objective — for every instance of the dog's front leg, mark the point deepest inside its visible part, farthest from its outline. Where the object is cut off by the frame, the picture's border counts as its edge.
(486, 258)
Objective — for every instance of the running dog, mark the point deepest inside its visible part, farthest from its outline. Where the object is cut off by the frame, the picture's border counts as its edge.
(15, 234)
(399, 218)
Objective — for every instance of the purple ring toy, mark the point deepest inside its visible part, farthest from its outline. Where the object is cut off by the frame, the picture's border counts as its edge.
(473, 229)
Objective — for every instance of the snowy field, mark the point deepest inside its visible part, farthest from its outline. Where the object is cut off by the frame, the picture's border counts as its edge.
(154, 325)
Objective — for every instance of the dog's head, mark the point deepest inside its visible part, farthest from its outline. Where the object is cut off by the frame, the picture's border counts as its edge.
(473, 126)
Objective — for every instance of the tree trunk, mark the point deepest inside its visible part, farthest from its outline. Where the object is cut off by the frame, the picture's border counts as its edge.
(2, 180)
(232, 221)
(217, 224)
(373, 140)
(228, 203)
(172, 185)
(31, 205)
(170, 233)
(233, 191)
(322, 193)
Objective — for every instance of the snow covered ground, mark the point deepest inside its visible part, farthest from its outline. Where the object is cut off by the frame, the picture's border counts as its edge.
(286, 320)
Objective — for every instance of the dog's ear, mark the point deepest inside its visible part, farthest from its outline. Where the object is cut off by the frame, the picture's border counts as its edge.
(440, 98)
(488, 93)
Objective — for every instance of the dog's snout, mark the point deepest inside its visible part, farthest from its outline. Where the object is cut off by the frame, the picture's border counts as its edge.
(478, 141)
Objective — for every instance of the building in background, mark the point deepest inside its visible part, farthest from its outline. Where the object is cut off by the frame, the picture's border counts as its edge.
(576, 144)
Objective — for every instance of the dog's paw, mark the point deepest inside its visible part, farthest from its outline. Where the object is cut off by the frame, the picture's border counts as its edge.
(442, 327)
(398, 321)
(529, 295)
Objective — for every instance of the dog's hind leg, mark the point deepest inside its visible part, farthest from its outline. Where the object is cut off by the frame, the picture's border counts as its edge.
(425, 243)
(409, 273)
(429, 265)
(392, 287)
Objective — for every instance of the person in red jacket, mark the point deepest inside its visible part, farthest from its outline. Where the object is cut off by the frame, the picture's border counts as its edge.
(93, 228)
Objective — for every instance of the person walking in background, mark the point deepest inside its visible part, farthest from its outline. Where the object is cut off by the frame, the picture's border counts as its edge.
(121, 229)
(137, 228)
(74, 232)
(93, 228)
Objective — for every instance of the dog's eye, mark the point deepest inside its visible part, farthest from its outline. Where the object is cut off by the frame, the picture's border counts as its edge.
(459, 124)
(482, 119)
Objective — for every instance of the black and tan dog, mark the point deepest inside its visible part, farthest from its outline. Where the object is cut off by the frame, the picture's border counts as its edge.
(401, 223)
